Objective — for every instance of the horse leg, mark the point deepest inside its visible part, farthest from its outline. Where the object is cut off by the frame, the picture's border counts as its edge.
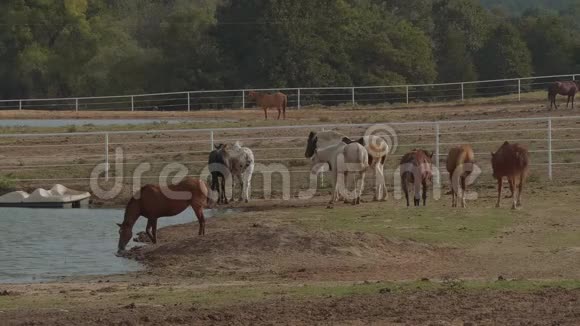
(241, 181)
(148, 229)
(499, 186)
(568, 102)
(521, 187)
(154, 230)
(198, 210)
(511, 183)
(266, 113)
(279, 112)
(424, 184)
(463, 190)
(223, 190)
(361, 182)
(405, 186)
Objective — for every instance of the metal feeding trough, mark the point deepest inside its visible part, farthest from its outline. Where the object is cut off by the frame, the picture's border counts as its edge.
(57, 197)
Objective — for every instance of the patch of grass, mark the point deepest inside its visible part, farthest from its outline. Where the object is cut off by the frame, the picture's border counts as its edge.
(6, 185)
(434, 225)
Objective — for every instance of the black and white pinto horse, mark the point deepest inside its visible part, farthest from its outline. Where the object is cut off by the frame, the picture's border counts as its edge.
(376, 147)
(229, 163)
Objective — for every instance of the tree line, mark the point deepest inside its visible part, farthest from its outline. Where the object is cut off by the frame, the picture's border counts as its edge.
(60, 48)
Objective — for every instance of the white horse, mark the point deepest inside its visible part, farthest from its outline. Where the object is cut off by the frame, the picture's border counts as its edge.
(344, 160)
(376, 147)
(241, 164)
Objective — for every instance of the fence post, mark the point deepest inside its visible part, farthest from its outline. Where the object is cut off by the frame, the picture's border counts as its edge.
(407, 94)
(519, 90)
(188, 102)
(352, 91)
(76, 104)
(243, 99)
(322, 174)
(437, 177)
(20, 105)
(106, 156)
(550, 148)
(462, 92)
(299, 98)
(132, 103)
(211, 141)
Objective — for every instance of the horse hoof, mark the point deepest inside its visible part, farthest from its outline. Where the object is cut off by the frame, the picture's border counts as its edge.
(329, 207)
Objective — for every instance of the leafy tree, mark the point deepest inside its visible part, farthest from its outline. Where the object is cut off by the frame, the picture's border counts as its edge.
(551, 42)
(505, 55)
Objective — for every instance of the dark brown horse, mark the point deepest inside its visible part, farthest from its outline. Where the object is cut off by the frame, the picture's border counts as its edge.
(154, 201)
(415, 167)
(566, 88)
(511, 161)
(266, 101)
(459, 165)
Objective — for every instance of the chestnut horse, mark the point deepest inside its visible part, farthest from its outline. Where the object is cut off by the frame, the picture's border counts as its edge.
(415, 167)
(154, 201)
(266, 101)
(459, 165)
(511, 161)
(566, 88)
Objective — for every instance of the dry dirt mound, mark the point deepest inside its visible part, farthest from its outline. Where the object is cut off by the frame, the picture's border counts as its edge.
(281, 250)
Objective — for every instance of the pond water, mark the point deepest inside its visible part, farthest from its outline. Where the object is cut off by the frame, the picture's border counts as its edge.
(82, 122)
(45, 244)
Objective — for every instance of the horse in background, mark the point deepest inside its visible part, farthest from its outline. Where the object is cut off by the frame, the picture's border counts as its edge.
(265, 101)
(154, 201)
(511, 161)
(566, 88)
(459, 165)
(377, 149)
(344, 160)
(415, 168)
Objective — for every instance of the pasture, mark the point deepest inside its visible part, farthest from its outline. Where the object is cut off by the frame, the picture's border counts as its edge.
(294, 261)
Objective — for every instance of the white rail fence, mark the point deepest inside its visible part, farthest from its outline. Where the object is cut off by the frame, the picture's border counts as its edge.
(69, 158)
(515, 89)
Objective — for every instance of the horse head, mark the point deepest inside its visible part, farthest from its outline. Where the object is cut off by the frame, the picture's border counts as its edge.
(311, 145)
(252, 95)
(125, 234)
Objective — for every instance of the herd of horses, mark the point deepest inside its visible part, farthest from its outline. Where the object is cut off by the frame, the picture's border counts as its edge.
(348, 161)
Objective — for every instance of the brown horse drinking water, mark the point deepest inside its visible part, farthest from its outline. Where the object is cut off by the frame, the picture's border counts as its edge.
(511, 161)
(566, 88)
(266, 101)
(154, 201)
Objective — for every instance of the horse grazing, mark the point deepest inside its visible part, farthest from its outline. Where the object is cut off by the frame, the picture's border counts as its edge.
(376, 147)
(218, 164)
(566, 88)
(415, 167)
(344, 160)
(265, 101)
(511, 161)
(154, 201)
(459, 165)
